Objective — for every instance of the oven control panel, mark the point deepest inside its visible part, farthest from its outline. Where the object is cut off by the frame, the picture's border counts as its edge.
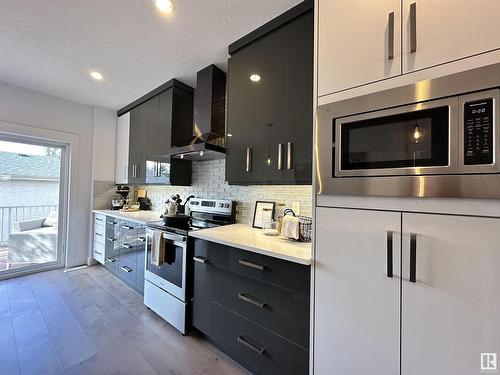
(478, 132)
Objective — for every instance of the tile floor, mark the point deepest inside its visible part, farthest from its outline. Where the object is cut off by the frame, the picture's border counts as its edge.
(88, 322)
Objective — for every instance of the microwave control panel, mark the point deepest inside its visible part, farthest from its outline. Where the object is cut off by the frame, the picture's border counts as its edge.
(478, 132)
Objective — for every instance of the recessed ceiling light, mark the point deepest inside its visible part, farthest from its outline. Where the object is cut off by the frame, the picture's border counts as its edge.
(165, 6)
(255, 78)
(96, 75)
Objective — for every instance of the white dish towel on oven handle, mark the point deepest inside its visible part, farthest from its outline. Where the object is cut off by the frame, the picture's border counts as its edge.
(158, 249)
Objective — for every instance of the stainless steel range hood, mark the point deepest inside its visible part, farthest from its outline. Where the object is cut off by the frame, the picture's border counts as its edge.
(209, 118)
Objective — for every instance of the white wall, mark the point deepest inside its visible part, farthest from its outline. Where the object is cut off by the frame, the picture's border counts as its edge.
(104, 144)
(22, 106)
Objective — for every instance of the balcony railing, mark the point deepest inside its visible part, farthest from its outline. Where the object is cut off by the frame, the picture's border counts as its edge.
(11, 214)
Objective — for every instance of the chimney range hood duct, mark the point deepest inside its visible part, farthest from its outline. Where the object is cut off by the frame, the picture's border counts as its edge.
(209, 118)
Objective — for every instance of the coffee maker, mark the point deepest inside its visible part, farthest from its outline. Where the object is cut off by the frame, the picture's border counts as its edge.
(123, 190)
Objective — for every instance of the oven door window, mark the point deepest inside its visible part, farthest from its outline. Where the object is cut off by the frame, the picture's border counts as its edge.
(414, 139)
(171, 269)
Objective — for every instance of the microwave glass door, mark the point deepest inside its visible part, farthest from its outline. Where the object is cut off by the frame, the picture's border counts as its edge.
(418, 138)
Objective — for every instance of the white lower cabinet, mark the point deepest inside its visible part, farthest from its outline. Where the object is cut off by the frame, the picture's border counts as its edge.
(356, 304)
(443, 312)
(451, 313)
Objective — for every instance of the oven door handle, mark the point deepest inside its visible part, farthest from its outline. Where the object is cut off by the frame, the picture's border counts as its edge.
(174, 238)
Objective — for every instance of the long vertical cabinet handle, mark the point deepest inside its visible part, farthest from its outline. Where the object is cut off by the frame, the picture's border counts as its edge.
(390, 36)
(289, 155)
(413, 258)
(281, 149)
(390, 249)
(413, 27)
(249, 160)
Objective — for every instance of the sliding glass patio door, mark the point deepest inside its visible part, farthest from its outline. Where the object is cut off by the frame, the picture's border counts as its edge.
(32, 205)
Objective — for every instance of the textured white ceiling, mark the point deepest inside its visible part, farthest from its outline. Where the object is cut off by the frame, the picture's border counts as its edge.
(52, 45)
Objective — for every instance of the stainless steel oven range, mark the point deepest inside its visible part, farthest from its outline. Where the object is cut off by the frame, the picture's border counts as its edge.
(435, 138)
(168, 287)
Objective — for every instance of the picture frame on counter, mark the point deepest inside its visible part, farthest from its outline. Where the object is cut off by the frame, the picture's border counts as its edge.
(264, 211)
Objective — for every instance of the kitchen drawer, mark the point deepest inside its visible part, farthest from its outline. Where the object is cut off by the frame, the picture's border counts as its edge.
(99, 219)
(112, 226)
(289, 275)
(99, 252)
(259, 350)
(215, 253)
(127, 270)
(127, 231)
(279, 310)
(99, 233)
(111, 262)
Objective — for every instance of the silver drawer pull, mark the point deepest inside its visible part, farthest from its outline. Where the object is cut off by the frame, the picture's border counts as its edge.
(142, 239)
(247, 298)
(126, 269)
(110, 260)
(98, 234)
(112, 222)
(127, 227)
(128, 246)
(111, 239)
(251, 265)
(256, 349)
(200, 259)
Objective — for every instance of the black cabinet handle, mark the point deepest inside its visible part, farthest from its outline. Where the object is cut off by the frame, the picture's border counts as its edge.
(389, 253)
(128, 246)
(142, 239)
(126, 269)
(251, 265)
(413, 27)
(255, 348)
(252, 301)
(127, 227)
(110, 260)
(390, 36)
(413, 258)
(98, 219)
(98, 253)
(98, 234)
(200, 259)
(110, 239)
(112, 222)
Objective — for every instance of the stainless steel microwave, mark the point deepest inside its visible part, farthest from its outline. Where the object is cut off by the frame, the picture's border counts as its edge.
(435, 138)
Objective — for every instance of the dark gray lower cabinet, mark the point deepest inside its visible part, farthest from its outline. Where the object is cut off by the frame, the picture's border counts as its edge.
(254, 307)
(258, 349)
(125, 251)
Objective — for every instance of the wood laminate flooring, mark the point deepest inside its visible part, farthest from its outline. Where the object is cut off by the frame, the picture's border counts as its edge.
(88, 322)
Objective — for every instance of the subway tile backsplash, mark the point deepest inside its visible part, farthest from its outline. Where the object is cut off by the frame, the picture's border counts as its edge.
(208, 182)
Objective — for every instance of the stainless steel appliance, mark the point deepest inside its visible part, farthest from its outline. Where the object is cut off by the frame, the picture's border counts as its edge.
(168, 288)
(435, 138)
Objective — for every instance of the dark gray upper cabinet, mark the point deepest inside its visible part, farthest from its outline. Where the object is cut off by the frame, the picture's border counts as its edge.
(159, 121)
(270, 121)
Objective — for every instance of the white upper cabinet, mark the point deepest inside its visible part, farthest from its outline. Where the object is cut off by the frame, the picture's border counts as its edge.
(447, 30)
(122, 148)
(451, 312)
(359, 43)
(357, 292)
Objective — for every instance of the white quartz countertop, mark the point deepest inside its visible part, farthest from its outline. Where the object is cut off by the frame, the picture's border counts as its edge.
(141, 217)
(251, 239)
